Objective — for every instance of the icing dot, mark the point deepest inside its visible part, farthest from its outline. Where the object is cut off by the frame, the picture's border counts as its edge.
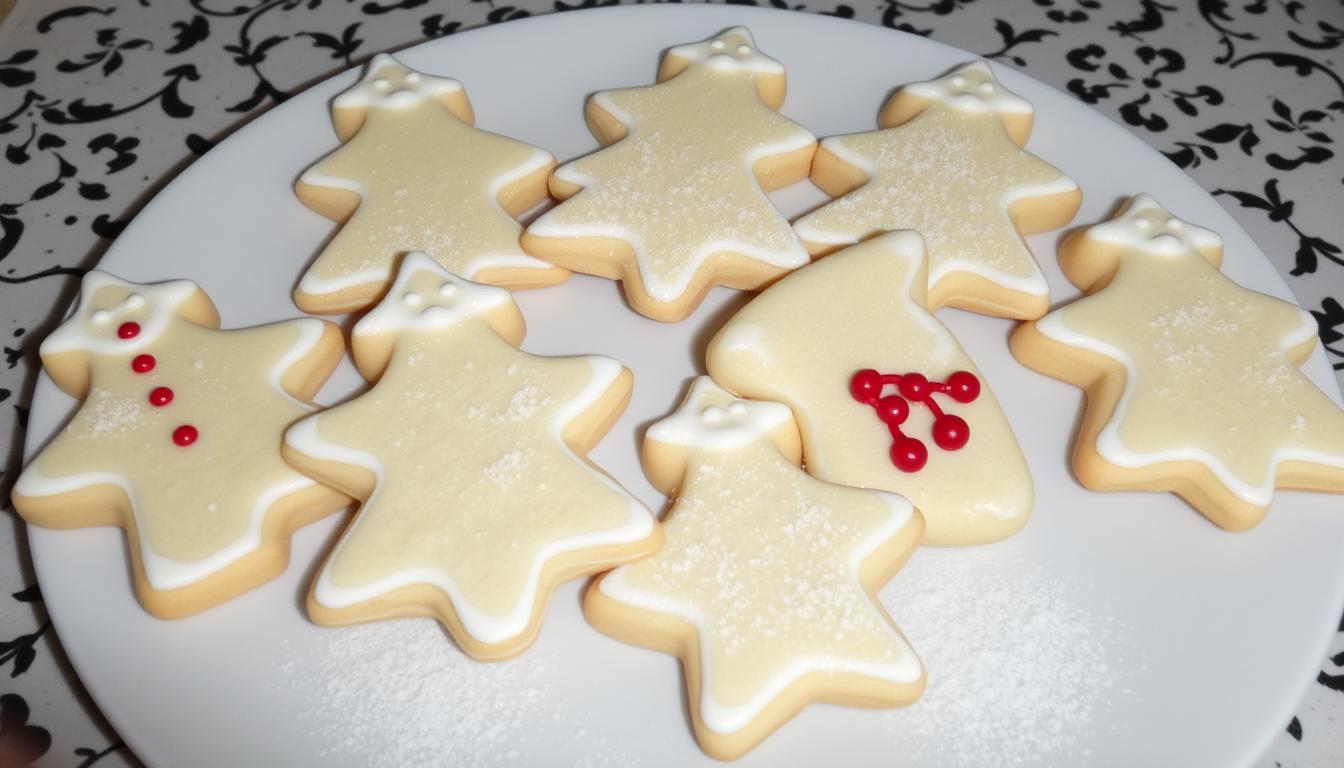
(447, 289)
(134, 301)
(412, 77)
(128, 330)
(211, 507)
(986, 87)
(185, 435)
(381, 83)
(100, 316)
(737, 410)
(717, 45)
(713, 415)
(744, 49)
(1173, 224)
(411, 299)
(1143, 224)
(959, 82)
(143, 363)
(160, 396)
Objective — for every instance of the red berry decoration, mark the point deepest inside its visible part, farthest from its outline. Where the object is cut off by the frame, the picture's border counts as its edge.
(963, 386)
(185, 435)
(914, 386)
(893, 409)
(143, 363)
(866, 385)
(909, 454)
(949, 432)
(128, 330)
(160, 396)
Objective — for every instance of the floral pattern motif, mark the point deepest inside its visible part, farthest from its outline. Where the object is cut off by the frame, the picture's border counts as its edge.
(102, 102)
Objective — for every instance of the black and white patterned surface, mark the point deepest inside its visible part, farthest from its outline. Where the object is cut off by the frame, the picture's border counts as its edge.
(101, 103)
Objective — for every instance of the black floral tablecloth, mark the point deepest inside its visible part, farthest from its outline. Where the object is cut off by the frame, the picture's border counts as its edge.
(102, 103)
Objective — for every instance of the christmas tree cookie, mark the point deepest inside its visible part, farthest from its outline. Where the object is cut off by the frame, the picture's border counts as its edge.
(469, 457)
(948, 162)
(676, 203)
(884, 395)
(765, 585)
(414, 175)
(1192, 381)
(178, 438)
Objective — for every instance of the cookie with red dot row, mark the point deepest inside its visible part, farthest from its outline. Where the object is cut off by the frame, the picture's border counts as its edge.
(884, 394)
(177, 439)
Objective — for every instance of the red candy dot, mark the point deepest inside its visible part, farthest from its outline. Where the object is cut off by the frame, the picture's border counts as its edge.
(950, 432)
(866, 385)
(185, 435)
(914, 386)
(893, 409)
(160, 396)
(143, 363)
(909, 454)
(963, 386)
(128, 330)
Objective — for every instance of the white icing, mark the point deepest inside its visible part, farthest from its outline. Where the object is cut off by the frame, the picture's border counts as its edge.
(725, 718)
(387, 83)
(733, 50)
(452, 302)
(161, 299)
(162, 572)
(488, 628)
(1033, 284)
(712, 427)
(315, 284)
(1147, 226)
(793, 256)
(971, 88)
(1113, 449)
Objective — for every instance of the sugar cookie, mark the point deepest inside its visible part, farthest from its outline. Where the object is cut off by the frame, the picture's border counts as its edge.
(675, 203)
(177, 440)
(469, 457)
(1192, 381)
(811, 341)
(414, 175)
(948, 162)
(765, 586)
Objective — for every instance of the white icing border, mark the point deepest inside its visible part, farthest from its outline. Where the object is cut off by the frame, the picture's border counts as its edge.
(165, 573)
(721, 59)
(393, 314)
(656, 288)
(728, 719)
(366, 92)
(1112, 448)
(1034, 285)
(1171, 238)
(163, 300)
(317, 285)
(737, 428)
(487, 628)
(948, 92)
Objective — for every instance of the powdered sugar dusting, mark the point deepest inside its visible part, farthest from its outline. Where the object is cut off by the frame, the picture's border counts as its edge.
(400, 694)
(1019, 675)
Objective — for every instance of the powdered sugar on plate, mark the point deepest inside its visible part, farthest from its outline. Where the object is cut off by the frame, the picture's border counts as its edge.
(1018, 673)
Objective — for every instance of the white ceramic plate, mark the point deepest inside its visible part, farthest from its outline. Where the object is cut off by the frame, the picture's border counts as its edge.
(1119, 629)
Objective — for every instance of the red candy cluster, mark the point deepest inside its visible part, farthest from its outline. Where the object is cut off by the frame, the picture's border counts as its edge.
(950, 432)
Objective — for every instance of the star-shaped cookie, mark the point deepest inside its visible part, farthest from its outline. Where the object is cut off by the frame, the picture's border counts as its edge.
(1192, 380)
(469, 457)
(177, 440)
(765, 584)
(676, 202)
(948, 162)
(414, 175)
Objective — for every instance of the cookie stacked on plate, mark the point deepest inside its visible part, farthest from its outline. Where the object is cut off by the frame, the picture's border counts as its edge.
(841, 424)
